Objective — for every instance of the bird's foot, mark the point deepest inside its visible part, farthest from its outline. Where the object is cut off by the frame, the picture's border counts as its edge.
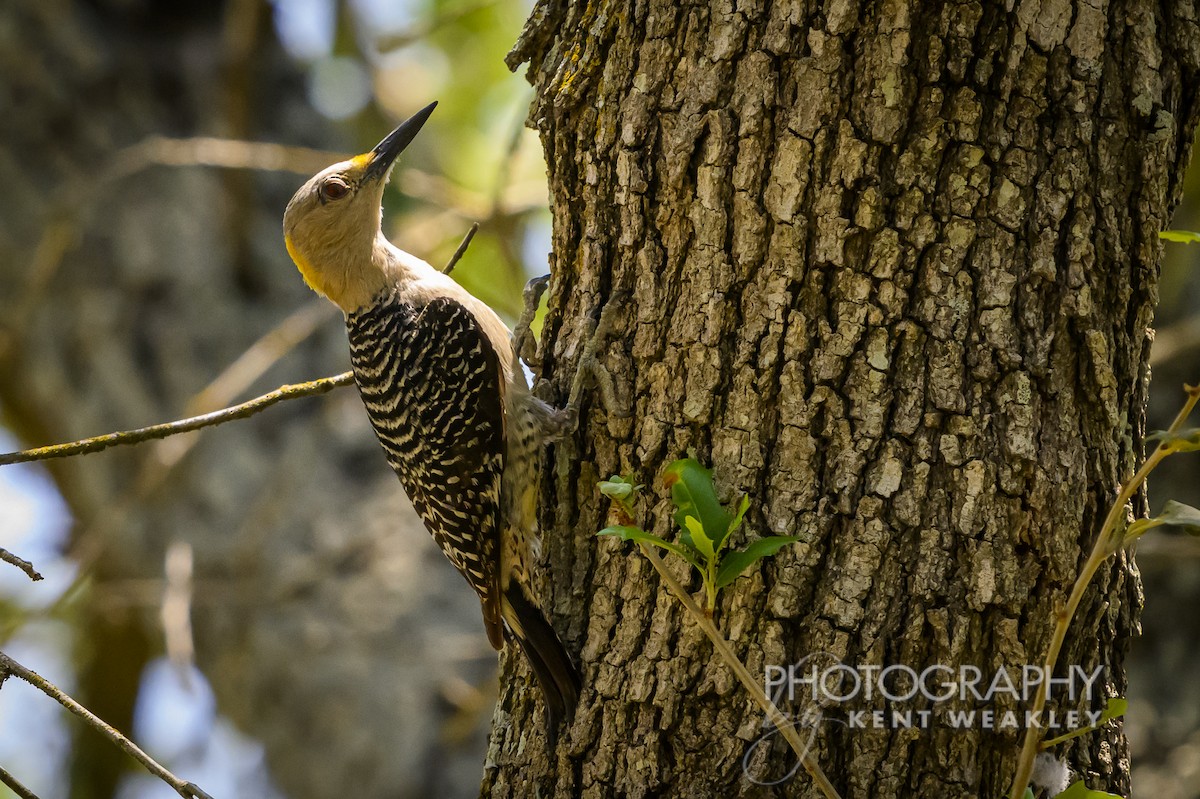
(558, 422)
(524, 344)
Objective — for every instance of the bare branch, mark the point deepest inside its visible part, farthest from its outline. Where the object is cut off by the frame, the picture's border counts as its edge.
(15, 786)
(260, 356)
(462, 248)
(297, 327)
(242, 411)
(188, 790)
(159, 461)
(21, 564)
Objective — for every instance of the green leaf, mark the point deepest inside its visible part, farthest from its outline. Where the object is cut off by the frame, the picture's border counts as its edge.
(1080, 791)
(1174, 514)
(615, 490)
(1115, 707)
(737, 561)
(1028, 793)
(1136, 529)
(1182, 236)
(618, 487)
(625, 532)
(743, 506)
(640, 536)
(699, 538)
(693, 494)
(1181, 441)
(685, 535)
(1185, 517)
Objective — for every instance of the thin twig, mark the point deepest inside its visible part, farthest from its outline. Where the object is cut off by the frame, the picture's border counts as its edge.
(260, 356)
(241, 411)
(21, 564)
(188, 790)
(462, 248)
(305, 323)
(1106, 544)
(159, 462)
(731, 659)
(15, 786)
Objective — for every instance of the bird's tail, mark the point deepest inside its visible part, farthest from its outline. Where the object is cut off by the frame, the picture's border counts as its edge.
(551, 664)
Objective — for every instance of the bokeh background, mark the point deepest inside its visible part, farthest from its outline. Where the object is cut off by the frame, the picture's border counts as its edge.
(257, 603)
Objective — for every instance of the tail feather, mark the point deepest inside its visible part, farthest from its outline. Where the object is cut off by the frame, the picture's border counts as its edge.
(551, 664)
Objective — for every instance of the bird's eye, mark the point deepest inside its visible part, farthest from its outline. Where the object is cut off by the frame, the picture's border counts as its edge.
(334, 189)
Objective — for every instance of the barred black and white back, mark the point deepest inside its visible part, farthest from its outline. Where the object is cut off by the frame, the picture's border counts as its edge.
(463, 438)
(427, 377)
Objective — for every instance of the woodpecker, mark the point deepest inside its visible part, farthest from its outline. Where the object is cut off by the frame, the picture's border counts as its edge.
(445, 394)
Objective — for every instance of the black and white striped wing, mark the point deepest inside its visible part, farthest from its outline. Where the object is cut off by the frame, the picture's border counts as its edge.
(432, 385)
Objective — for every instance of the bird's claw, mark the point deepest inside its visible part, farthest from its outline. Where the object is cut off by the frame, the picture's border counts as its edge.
(524, 345)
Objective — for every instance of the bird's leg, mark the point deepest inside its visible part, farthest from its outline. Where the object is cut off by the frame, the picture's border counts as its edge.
(524, 346)
(557, 422)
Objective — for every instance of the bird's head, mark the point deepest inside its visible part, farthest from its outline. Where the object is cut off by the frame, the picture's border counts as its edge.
(331, 224)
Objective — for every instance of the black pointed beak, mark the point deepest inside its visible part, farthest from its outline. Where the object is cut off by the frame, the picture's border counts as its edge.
(384, 154)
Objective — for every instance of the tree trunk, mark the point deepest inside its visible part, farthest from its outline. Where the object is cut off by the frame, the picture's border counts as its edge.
(889, 268)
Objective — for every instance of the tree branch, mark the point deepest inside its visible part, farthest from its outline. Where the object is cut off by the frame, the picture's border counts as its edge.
(124, 437)
(15, 786)
(305, 320)
(462, 247)
(188, 790)
(21, 564)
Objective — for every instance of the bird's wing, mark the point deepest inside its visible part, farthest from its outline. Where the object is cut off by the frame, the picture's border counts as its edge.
(435, 398)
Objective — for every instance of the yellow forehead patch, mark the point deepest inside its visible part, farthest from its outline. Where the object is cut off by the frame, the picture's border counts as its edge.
(361, 161)
(311, 276)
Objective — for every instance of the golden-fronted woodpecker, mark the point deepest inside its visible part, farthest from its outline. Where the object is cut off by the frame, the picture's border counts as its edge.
(445, 394)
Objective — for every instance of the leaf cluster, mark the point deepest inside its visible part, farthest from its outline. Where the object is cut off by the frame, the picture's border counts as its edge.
(705, 526)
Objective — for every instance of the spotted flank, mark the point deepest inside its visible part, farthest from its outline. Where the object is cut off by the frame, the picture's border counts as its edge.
(428, 378)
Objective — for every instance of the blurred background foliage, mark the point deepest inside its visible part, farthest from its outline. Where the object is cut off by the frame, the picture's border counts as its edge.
(346, 73)
(372, 63)
(178, 203)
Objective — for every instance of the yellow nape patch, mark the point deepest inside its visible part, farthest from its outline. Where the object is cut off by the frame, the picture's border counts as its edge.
(311, 276)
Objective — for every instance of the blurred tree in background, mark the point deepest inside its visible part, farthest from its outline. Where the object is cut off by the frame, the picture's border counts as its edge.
(140, 261)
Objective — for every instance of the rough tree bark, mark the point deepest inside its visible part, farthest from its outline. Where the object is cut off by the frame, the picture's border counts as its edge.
(891, 269)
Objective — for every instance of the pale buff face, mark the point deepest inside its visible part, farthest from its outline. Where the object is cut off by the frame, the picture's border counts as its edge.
(331, 224)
